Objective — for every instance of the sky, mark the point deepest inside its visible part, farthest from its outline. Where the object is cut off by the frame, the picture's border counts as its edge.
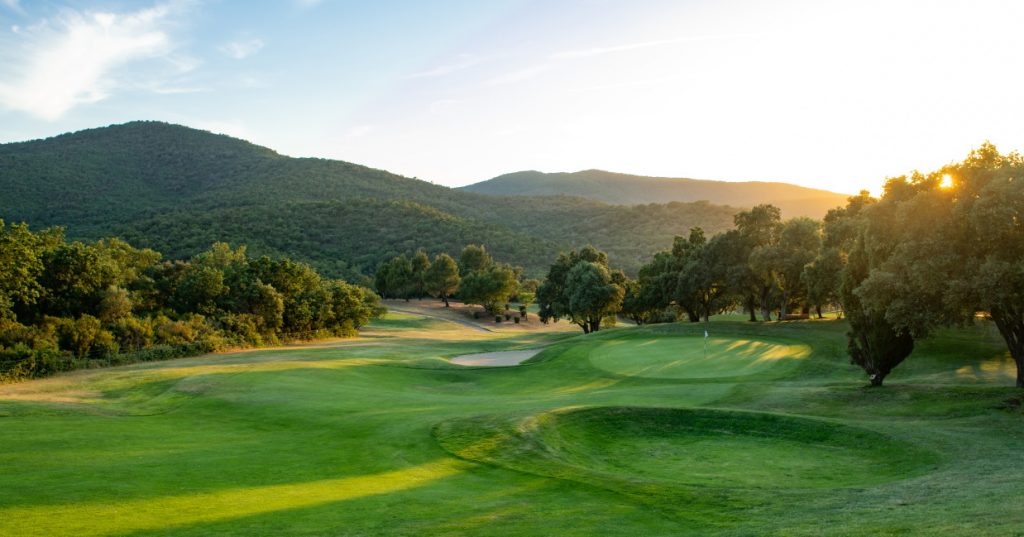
(827, 94)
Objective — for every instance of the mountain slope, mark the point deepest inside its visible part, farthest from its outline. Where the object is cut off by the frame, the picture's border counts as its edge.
(178, 189)
(623, 189)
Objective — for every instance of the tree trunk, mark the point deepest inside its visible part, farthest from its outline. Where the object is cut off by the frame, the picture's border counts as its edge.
(586, 327)
(1011, 326)
(752, 308)
(445, 299)
(693, 316)
(766, 308)
(784, 306)
(818, 309)
(595, 325)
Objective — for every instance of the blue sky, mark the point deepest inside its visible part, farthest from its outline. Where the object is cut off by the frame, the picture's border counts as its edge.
(831, 94)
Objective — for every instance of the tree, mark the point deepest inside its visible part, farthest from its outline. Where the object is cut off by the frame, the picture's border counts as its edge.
(21, 264)
(823, 277)
(199, 289)
(707, 273)
(782, 262)
(442, 278)
(394, 279)
(579, 287)
(955, 252)
(74, 279)
(873, 343)
(420, 264)
(488, 287)
(686, 261)
(659, 280)
(759, 228)
(592, 295)
(474, 258)
(639, 304)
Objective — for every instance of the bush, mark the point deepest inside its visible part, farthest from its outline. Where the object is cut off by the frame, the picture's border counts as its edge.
(497, 318)
(516, 318)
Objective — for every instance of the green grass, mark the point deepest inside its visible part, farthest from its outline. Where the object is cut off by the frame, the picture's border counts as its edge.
(624, 432)
(693, 357)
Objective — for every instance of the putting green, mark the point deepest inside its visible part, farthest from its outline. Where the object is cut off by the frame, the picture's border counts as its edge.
(626, 447)
(684, 357)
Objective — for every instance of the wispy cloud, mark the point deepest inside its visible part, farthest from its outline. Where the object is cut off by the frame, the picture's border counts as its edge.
(242, 49)
(358, 131)
(626, 47)
(14, 5)
(69, 60)
(519, 75)
(464, 61)
(552, 60)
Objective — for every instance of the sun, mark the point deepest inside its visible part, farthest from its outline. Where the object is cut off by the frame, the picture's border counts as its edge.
(947, 181)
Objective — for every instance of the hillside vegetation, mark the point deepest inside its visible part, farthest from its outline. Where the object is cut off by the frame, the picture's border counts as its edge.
(178, 190)
(624, 189)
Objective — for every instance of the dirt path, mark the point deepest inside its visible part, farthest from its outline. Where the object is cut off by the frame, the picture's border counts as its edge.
(441, 317)
(496, 359)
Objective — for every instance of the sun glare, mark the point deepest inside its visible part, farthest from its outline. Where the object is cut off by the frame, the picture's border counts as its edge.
(947, 181)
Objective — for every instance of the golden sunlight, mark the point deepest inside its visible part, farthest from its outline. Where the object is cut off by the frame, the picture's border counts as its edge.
(947, 181)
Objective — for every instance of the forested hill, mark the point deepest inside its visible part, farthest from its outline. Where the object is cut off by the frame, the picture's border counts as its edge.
(623, 189)
(178, 190)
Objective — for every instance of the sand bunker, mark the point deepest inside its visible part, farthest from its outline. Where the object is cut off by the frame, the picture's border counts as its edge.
(496, 359)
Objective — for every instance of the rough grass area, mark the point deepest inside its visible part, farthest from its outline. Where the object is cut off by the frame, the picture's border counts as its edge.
(604, 434)
(624, 447)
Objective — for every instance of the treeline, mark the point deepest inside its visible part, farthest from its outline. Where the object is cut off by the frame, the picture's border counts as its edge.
(474, 279)
(764, 265)
(935, 250)
(66, 305)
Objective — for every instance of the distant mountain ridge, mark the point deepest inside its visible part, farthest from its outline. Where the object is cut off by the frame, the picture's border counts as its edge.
(178, 189)
(625, 189)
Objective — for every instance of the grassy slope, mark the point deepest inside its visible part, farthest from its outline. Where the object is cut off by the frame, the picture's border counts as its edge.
(625, 189)
(338, 439)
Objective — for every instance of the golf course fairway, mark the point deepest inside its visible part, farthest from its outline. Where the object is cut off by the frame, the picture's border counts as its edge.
(628, 431)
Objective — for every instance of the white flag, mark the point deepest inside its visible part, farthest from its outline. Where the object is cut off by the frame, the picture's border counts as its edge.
(705, 334)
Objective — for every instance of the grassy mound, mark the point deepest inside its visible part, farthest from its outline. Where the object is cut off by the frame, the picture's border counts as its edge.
(626, 448)
(686, 357)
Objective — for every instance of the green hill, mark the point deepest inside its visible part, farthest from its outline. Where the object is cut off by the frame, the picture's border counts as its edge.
(623, 189)
(179, 189)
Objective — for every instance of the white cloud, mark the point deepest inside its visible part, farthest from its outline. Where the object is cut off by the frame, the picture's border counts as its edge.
(242, 49)
(13, 5)
(70, 60)
(600, 51)
(521, 75)
(358, 131)
(554, 59)
(465, 61)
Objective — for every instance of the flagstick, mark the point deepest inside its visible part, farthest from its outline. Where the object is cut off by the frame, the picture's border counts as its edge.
(705, 336)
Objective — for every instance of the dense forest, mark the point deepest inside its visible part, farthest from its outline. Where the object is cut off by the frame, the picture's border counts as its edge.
(68, 305)
(177, 190)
